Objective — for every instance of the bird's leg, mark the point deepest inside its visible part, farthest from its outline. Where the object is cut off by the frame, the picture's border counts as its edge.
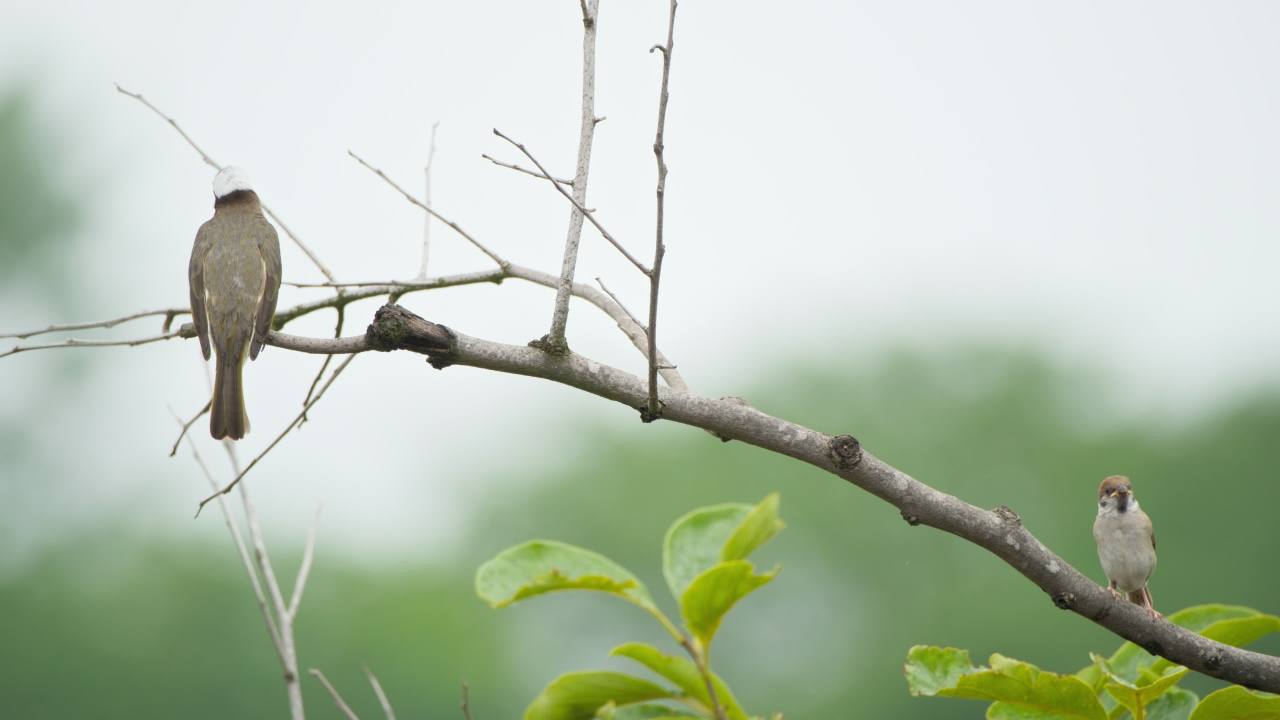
(1115, 593)
(1149, 604)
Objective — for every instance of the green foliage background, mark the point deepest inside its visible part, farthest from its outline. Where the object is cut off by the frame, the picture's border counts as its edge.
(107, 624)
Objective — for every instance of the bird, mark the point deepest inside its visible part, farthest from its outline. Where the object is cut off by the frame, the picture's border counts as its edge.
(234, 279)
(1126, 542)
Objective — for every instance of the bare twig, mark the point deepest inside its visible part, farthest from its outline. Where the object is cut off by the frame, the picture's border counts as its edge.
(426, 197)
(337, 332)
(240, 475)
(75, 343)
(526, 171)
(187, 425)
(304, 569)
(614, 298)
(492, 255)
(577, 206)
(168, 314)
(466, 702)
(273, 631)
(654, 407)
(383, 700)
(288, 649)
(208, 160)
(555, 339)
(333, 693)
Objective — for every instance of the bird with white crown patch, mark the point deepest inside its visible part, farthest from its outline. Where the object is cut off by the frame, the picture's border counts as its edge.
(234, 279)
(1126, 542)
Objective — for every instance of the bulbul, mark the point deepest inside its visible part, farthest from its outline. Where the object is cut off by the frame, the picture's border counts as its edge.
(1126, 542)
(235, 280)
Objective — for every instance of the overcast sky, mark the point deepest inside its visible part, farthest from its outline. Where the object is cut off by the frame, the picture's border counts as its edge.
(1097, 178)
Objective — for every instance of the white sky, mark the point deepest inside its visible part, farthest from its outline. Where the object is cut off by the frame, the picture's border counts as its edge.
(1101, 178)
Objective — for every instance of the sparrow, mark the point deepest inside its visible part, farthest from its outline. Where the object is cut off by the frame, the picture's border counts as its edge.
(234, 279)
(1126, 542)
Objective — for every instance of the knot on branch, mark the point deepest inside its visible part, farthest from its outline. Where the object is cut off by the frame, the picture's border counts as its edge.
(558, 347)
(395, 328)
(1007, 515)
(1212, 658)
(1064, 600)
(845, 452)
(647, 416)
(911, 519)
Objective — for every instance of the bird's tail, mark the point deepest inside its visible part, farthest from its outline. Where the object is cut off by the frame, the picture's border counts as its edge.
(227, 416)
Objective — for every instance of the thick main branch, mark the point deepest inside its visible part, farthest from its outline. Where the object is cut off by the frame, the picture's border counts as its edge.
(999, 531)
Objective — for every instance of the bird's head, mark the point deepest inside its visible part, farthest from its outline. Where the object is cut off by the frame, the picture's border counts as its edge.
(1116, 493)
(230, 179)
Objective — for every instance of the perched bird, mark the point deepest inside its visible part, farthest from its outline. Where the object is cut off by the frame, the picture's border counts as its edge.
(235, 279)
(1126, 542)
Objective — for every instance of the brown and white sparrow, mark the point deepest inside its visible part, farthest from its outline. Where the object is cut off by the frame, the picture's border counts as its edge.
(1126, 542)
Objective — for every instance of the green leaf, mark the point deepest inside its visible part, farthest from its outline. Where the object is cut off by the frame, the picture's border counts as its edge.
(684, 674)
(697, 541)
(1019, 689)
(1231, 624)
(1175, 704)
(1133, 697)
(578, 696)
(542, 566)
(641, 712)
(713, 593)
(758, 528)
(1236, 703)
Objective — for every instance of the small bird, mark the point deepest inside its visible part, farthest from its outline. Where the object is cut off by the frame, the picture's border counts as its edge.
(234, 280)
(1126, 542)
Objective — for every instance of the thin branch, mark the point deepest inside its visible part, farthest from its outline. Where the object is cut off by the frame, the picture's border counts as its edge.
(492, 255)
(187, 426)
(526, 171)
(577, 206)
(304, 569)
(614, 298)
(337, 332)
(288, 650)
(466, 702)
(273, 631)
(700, 661)
(426, 196)
(208, 160)
(168, 314)
(383, 700)
(999, 531)
(75, 343)
(240, 475)
(284, 317)
(333, 693)
(654, 407)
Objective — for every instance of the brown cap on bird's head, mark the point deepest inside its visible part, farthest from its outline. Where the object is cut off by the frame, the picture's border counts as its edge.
(1114, 484)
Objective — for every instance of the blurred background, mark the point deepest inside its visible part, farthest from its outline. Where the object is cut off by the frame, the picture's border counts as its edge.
(1013, 248)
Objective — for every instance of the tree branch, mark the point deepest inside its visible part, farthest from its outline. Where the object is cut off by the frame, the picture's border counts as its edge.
(426, 197)
(333, 693)
(555, 340)
(998, 531)
(456, 228)
(578, 207)
(241, 473)
(383, 700)
(654, 408)
(168, 314)
(526, 171)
